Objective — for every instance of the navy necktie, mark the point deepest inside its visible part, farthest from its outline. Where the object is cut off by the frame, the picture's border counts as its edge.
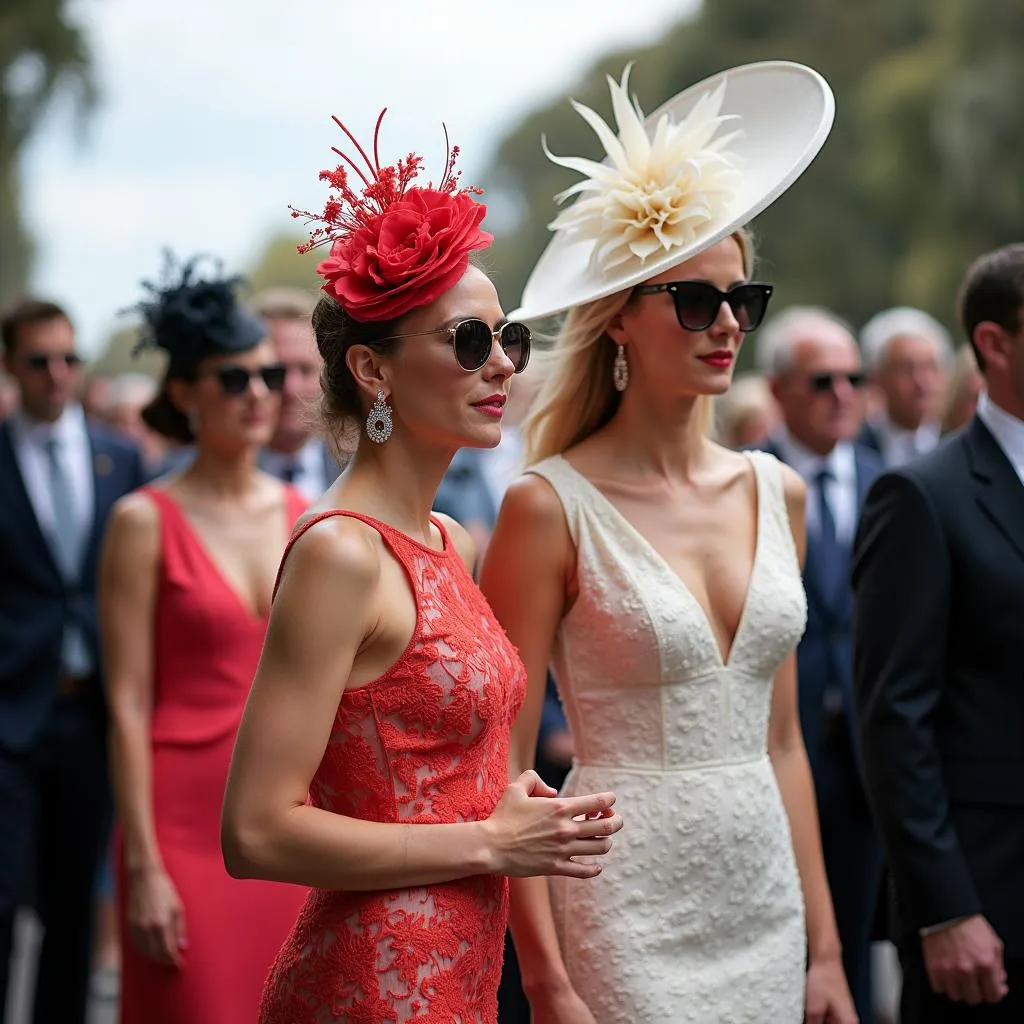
(834, 560)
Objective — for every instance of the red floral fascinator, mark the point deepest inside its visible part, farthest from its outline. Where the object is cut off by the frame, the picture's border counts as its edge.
(394, 245)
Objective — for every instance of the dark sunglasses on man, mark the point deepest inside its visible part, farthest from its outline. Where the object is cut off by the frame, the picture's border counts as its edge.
(473, 341)
(235, 380)
(42, 360)
(822, 382)
(699, 302)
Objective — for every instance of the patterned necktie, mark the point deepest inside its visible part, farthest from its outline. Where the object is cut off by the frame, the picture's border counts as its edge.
(68, 540)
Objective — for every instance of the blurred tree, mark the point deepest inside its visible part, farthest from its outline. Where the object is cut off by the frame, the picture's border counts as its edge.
(920, 175)
(43, 55)
(281, 266)
(117, 356)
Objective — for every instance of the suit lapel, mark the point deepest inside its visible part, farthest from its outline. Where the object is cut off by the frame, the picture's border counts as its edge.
(1000, 492)
(106, 489)
(17, 501)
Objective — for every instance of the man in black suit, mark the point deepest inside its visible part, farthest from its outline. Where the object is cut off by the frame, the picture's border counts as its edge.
(59, 477)
(939, 577)
(813, 365)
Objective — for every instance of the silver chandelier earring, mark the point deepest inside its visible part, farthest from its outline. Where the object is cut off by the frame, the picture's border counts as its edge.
(620, 369)
(378, 423)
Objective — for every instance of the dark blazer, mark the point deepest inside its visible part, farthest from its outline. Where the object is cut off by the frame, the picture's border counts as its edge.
(464, 493)
(825, 654)
(939, 665)
(35, 600)
(870, 437)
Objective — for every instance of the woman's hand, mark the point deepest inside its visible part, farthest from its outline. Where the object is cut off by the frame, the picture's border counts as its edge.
(828, 999)
(533, 831)
(156, 917)
(561, 1007)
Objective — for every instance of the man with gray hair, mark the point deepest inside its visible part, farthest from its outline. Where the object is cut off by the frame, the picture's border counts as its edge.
(907, 354)
(297, 453)
(813, 365)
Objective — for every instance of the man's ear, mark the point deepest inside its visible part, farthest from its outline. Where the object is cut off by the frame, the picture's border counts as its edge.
(993, 342)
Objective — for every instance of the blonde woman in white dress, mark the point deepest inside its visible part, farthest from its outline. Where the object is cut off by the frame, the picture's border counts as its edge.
(660, 574)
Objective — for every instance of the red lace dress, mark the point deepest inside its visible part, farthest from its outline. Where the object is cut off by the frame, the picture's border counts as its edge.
(427, 742)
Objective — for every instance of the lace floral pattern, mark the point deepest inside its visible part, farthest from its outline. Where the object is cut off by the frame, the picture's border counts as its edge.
(425, 743)
(697, 915)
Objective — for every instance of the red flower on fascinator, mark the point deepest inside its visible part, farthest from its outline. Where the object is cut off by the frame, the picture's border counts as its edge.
(394, 245)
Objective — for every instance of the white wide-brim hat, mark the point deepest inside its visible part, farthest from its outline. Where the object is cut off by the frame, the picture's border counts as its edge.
(782, 113)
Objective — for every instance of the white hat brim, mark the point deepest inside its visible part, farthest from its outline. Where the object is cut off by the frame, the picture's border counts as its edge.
(786, 112)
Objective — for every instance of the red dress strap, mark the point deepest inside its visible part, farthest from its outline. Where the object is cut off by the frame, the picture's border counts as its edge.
(400, 543)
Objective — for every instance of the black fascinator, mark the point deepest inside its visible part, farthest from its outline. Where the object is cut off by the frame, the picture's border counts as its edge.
(192, 314)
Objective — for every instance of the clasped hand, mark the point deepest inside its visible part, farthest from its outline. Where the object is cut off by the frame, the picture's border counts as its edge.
(533, 831)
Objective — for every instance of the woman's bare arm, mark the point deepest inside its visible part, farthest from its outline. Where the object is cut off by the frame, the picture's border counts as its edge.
(326, 612)
(529, 562)
(129, 567)
(793, 772)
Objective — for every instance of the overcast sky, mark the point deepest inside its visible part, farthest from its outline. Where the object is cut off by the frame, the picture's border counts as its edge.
(215, 115)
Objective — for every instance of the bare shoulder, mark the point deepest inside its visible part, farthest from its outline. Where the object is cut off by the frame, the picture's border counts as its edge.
(794, 488)
(135, 517)
(532, 504)
(339, 549)
(460, 538)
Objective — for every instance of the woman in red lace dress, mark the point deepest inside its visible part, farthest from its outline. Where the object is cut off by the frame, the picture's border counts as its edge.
(372, 759)
(185, 586)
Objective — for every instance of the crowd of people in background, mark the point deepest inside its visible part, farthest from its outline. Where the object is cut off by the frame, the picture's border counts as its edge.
(836, 405)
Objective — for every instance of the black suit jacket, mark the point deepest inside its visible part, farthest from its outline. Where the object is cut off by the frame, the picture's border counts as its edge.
(825, 653)
(939, 671)
(35, 600)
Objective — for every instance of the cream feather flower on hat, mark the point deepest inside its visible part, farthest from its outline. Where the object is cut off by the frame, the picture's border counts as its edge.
(652, 194)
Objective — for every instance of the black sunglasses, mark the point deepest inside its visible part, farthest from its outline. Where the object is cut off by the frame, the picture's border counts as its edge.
(822, 382)
(234, 380)
(698, 302)
(473, 341)
(42, 361)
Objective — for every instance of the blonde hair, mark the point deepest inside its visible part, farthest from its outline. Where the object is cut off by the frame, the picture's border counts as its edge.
(578, 397)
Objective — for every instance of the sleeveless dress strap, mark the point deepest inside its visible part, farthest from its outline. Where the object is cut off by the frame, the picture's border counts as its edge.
(772, 492)
(397, 541)
(571, 489)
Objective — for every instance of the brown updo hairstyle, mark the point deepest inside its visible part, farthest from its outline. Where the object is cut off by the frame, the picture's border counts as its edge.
(343, 406)
(165, 418)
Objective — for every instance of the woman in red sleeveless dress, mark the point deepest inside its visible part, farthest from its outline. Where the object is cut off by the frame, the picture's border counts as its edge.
(372, 761)
(185, 592)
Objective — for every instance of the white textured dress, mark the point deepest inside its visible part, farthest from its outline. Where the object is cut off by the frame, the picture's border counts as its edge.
(698, 914)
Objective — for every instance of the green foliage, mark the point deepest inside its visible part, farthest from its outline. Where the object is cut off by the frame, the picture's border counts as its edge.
(281, 266)
(42, 55)
(920, 175)
(117, 357)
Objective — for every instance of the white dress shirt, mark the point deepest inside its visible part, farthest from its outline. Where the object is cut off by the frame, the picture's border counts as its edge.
(840, 489)
(1006, 429)
(310, 478)
(30, 439)
(900, 445)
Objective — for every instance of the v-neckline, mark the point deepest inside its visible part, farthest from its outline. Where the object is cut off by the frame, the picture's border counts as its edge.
(724, 660)
(207, 556)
